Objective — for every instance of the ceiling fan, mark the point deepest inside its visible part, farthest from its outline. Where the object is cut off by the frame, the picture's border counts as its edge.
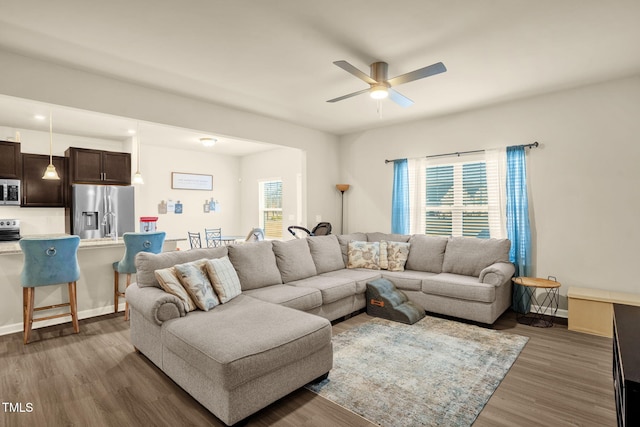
(380, 86)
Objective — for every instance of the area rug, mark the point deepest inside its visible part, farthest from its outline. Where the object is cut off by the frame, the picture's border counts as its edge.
(434, 373)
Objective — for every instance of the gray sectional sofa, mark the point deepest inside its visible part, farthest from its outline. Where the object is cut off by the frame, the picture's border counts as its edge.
(275, 336)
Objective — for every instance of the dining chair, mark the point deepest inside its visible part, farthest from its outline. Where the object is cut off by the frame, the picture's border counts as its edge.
(194, 240)
(213, 237)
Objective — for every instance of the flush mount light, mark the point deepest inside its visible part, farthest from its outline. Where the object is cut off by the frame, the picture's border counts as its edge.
(39, 117)
(208, 142)
(131, 131)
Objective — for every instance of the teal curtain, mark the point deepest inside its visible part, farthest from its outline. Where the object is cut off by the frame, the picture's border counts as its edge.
(518, 229)
(400, 197)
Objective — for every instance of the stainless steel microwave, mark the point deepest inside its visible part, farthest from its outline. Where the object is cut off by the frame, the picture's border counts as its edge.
(9, 192)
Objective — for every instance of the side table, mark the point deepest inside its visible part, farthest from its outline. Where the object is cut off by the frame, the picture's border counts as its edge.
(545, 305)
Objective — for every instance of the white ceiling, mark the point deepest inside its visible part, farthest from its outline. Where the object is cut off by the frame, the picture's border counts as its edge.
(275, 57)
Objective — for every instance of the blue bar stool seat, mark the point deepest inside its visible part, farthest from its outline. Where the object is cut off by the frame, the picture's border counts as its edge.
(49, 261)
(133, 243)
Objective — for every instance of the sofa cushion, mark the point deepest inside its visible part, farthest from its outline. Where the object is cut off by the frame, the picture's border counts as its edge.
(147, 263)
(344, 240)
(390, 237)
(359, 275)
(364, 255)
(470, 255)
(224, 279)
(426, 253)
(300, 298)
(326, 253)
(255, 264)
(294, 260)
(460, 287)
(396, 254)
(193, 277)
(331, 288)
(169, 282)
(245, 339)
(408, 280)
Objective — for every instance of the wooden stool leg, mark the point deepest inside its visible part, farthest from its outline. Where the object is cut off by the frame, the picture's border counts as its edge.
(73, 301)
(27, 302)
(116, 290)
(126, 304)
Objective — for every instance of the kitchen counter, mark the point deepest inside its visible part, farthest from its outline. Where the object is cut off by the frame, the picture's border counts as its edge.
(7, 248)
(94, 288)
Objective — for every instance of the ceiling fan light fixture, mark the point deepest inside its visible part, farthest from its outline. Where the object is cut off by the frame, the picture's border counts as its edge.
(379, 92)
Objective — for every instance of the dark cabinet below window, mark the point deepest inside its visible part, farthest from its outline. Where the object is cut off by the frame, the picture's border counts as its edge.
(38, 192)
(88, 166)
(10, 166)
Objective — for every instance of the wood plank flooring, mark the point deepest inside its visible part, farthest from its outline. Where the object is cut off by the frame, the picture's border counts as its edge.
(95, 378)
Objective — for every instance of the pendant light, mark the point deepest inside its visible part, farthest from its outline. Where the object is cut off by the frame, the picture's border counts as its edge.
(137, 178)
(51, 172)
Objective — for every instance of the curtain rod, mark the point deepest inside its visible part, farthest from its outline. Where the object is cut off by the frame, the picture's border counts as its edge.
(459, 153)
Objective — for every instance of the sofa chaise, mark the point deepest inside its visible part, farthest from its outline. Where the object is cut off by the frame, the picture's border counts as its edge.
(275, 335)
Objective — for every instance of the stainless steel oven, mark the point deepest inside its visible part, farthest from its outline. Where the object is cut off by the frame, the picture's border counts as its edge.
(9, 192)
(9, 230)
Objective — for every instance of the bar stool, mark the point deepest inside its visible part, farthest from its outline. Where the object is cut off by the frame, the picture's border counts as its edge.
(133, 243)
(50, 261)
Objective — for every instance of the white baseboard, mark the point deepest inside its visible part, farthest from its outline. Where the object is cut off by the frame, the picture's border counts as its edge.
(17, 327)
(560, 313)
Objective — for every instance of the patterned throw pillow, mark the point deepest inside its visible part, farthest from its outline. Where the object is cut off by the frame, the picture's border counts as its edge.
(224, 278)
(194, 278)
(397, 254)
(363, 255)
(170, 283)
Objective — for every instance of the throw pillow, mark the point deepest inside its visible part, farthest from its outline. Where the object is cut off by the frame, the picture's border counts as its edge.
(384, 262)
(224, 278)
(363, 255)
(194, 279)
(170, 283)
(397, 254)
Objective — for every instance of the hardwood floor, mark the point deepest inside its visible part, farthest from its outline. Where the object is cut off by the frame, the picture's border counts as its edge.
(95, 378)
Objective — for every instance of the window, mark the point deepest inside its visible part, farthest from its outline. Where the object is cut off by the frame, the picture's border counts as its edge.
(271, 208)
(456, 198)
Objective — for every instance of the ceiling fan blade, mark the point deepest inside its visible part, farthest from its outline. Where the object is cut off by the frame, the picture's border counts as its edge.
(353, 70)
(340, 98)
(421, 73)
(399, 99)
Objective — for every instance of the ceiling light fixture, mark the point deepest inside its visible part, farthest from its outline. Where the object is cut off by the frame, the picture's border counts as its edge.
(51, 172)
(39, 117)
(208, 142)
(137, 178)
(379, 92)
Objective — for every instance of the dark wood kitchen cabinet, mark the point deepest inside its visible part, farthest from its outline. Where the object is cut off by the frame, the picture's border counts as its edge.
(10, 165)
(38, 192)
(88, 166)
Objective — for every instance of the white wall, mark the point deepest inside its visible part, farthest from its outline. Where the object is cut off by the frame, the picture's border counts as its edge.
(29, 78)
(156, 166)
(286, 164)
(584, 180)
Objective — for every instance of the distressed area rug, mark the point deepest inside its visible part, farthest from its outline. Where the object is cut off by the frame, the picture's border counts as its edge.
(434, 373)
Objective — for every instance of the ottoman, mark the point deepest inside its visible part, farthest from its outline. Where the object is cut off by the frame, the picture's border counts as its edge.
(243, 355)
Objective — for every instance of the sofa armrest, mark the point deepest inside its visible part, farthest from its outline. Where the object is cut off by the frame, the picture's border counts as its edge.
(154, 304)
(498, 273)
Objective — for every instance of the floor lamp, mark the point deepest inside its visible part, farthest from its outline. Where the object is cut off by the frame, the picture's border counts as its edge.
(342, 188)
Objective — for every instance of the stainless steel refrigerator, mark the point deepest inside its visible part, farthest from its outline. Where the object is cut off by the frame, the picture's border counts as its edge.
(100, 211)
